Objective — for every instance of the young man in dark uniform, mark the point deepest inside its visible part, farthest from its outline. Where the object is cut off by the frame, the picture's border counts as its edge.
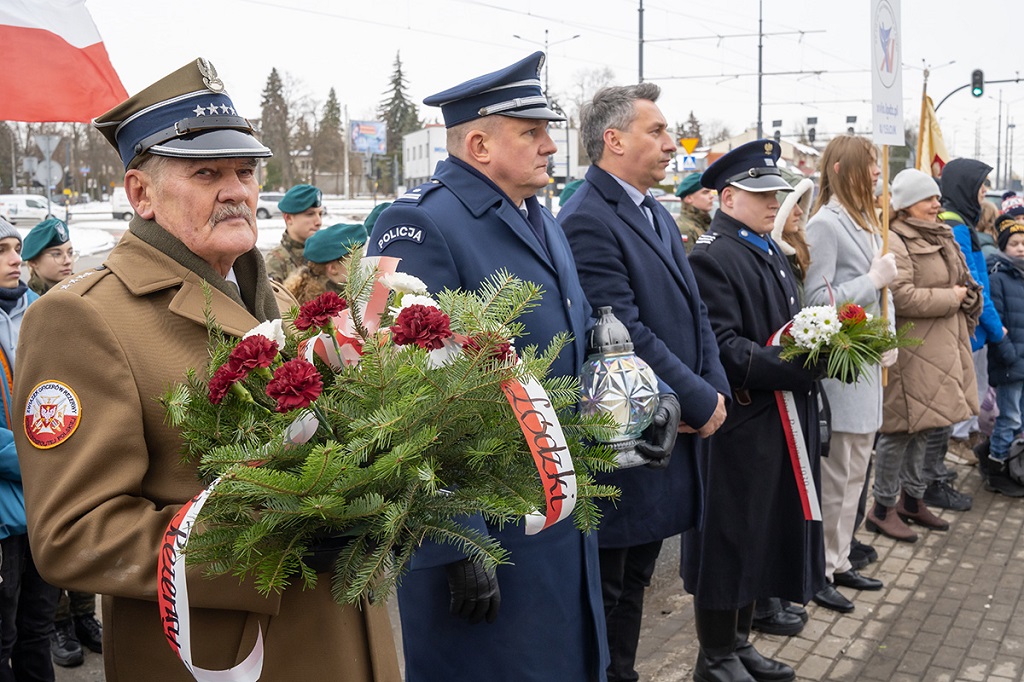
(755, 539)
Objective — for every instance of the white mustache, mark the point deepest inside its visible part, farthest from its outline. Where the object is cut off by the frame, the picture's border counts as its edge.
(232, 211)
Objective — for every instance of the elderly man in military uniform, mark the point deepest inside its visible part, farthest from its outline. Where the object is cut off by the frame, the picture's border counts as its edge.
(760, 535)
(480, 214)
(100, 491)
(302, 208)
(695, 207)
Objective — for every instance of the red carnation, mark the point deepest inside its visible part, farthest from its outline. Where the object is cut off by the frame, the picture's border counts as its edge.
(222, 381)
(426, 326)
(852, 313)
(295, 385)
(252, 353)
(319, 311)
(501, 351)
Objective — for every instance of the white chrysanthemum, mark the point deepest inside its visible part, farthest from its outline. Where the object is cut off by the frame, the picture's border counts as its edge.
(403, 283)
(815, 326)
(413, 299)
(272, 329)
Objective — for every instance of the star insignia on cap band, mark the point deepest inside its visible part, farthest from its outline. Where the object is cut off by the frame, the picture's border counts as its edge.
(210, 78)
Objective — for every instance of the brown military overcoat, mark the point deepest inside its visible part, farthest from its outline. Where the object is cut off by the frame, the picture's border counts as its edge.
(99, 502)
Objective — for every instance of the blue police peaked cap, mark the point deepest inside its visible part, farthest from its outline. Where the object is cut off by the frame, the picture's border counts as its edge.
(186, 114)
(751, 166)
(513, 91)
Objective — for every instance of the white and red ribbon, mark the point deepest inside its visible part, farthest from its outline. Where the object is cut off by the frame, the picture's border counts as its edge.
(172, 592)
(544, 436)
(796, 444)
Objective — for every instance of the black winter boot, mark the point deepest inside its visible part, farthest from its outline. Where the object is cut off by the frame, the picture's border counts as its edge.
(997, 478)
(760, 668)
(717, 660)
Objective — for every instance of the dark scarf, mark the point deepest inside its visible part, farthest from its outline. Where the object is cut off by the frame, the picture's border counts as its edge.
(9, 297)
(257, 296)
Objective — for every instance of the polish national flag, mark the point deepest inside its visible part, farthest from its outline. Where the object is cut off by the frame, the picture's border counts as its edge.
(55, 67)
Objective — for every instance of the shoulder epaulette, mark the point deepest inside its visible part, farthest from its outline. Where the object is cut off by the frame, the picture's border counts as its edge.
(84, 281)
(416, 194)
(706, 238)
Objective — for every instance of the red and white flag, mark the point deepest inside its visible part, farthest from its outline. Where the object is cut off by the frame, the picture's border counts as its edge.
(55, 67)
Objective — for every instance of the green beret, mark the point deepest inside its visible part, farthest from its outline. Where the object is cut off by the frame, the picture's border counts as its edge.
(331, 243)
(374, 214)
(568, 191)
(47, 234)
(689, 185)
(299, 198)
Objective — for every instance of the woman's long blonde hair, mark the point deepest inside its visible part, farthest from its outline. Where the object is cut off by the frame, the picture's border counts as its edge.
(852, 184)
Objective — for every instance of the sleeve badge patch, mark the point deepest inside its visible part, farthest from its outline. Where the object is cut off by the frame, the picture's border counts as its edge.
(52, 413)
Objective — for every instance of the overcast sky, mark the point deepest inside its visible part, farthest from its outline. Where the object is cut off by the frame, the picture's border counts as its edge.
(351, 46)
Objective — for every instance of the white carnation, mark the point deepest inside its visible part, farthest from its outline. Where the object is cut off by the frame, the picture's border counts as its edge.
(272, 329)
(413, 299)
(403, 283)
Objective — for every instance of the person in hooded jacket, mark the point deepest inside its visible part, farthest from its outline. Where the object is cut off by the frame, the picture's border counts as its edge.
(963, 192)
(1006, 361)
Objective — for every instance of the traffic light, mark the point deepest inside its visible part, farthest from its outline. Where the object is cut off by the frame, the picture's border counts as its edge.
(811, 134)
(977, 82)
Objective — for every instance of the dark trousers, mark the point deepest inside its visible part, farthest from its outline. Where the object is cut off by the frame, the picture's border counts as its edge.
(27, 605)
(74, 604)
(625, 574)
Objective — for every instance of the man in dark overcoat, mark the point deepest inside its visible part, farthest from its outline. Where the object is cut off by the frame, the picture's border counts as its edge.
(630, 256)
(477, 215)
(755, 539)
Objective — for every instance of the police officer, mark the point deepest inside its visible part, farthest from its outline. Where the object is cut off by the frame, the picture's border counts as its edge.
(103, 484)
(480, 214)
(695, 209)
(303, 213)
(754, 540)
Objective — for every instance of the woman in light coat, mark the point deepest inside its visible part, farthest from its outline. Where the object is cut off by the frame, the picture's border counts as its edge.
(846, 266)
(931, 386)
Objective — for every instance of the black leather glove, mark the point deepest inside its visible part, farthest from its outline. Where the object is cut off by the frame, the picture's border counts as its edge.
(660, 436)
(322, 555)
(475, 592)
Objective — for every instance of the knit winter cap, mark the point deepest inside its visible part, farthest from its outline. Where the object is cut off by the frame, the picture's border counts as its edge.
(8, 230)
(1007, 225)
(911, 186)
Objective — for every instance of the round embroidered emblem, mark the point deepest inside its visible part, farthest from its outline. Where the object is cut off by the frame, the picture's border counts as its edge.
(52, 414)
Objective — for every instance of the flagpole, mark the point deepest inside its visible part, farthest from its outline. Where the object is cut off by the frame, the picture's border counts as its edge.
(920, 129)
(885, 240)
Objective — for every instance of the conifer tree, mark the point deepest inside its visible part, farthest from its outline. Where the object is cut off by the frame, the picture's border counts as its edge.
(402, 116)
(274, 108)
(329, 146)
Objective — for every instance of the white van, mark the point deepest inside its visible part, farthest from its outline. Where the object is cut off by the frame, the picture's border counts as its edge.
(120, 207)
(29, 209)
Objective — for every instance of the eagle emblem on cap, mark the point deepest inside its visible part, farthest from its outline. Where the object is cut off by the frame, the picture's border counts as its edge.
(767, 147)
(210, 77)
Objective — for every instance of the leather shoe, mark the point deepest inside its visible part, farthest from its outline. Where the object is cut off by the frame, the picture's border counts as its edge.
(862, 554)
(855, 580)
(942, 495)
(780, 622)
(761, 668)
(832, 599)
(797, 610)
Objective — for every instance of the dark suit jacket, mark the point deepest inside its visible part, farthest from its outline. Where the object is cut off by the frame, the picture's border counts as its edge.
(623, 263)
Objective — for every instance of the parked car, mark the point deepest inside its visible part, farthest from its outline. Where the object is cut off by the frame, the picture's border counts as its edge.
(29, 209)
(266, 205)
(120, 207)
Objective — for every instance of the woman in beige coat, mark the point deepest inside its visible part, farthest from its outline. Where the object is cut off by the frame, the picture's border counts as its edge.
(932, 385)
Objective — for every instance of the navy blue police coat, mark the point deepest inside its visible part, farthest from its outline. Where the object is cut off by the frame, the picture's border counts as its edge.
(456, 232)
(625, 264)
(753, 540)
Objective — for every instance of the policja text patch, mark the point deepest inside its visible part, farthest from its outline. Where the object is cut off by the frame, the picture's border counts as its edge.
(400, 233)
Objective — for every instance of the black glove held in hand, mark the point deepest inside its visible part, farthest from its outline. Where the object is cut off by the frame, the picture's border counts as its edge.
(475, 593)
(322, 556)
(660, 436)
